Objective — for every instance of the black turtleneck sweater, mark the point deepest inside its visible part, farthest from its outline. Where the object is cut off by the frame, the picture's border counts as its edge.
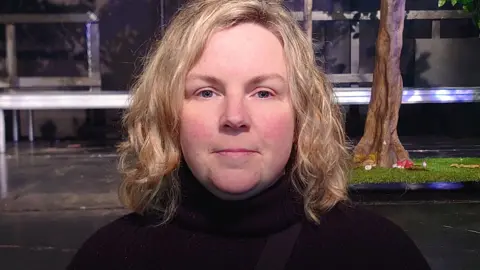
(209, 233)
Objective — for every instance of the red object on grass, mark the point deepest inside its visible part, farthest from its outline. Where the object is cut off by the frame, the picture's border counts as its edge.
(406, 164)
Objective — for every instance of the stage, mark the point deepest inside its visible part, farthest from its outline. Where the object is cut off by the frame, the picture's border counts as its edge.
(68, 190)
(54, 195)
(74, 175)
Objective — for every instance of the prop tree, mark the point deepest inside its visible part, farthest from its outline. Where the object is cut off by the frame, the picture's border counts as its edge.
(380, 144)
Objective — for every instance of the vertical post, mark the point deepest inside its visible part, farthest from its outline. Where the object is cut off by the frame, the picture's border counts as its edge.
(307, 18)
(355, 48)
(15, 125)
(92, 33)
(436, 29)
(30, 126)
(3, 176)
(2, 132)
(11, 55)
(162, 17)
(322, 41)
(12, 71)
(354, 61)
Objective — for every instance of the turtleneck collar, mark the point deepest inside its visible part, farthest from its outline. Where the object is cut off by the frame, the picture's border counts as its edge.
(272, 210)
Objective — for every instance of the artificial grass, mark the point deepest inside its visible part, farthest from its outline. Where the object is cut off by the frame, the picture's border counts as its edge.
(438, 170)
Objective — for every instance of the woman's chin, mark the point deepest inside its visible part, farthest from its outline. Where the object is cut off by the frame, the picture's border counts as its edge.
(237, 188)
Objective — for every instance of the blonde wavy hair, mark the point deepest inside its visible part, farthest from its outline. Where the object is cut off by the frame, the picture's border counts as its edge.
(150, 158)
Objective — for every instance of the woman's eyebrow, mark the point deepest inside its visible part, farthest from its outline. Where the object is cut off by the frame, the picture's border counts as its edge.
(254, 80)
(266, 77)
(205, 78)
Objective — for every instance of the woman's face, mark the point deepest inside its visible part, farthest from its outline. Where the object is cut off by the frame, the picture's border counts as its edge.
(237, 120)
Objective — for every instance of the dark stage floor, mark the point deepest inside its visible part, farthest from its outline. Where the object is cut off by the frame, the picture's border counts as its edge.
(53, 198)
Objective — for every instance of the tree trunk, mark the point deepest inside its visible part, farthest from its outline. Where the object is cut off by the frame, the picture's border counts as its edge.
(307, 18)
(380, 143)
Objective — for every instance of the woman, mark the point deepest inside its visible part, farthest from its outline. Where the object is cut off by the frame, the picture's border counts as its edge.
(236, 157)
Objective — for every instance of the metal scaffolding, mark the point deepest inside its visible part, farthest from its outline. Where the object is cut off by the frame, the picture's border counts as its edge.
(15, 99)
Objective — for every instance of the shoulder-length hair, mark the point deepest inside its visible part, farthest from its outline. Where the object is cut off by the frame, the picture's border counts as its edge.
(150, 158)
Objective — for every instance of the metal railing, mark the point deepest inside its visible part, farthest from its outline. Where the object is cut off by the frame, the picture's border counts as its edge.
(92, 35)
(13, 82)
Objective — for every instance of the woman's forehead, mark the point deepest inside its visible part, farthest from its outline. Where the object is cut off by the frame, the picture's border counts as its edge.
(244, 50)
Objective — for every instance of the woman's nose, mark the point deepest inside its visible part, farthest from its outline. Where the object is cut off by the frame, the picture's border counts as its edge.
(235, 115)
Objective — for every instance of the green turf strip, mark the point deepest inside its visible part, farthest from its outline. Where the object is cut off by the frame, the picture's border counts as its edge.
(438, 170)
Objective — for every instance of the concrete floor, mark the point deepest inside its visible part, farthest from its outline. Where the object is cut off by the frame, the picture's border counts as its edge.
(52, 199)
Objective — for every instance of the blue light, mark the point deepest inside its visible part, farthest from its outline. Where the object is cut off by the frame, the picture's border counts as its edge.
(445, 185)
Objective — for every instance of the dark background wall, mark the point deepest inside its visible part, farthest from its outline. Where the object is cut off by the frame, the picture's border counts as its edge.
(129, 27)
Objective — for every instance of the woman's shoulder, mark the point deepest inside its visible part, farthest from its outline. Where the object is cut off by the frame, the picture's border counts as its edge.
(357, 221)
(119, 230)
(358, 216)
(370, 236)
(126, 235)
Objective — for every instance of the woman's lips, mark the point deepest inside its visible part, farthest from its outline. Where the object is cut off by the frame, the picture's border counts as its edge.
(235, 152)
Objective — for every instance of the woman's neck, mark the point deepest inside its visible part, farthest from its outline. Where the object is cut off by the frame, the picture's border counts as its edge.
(274, 209)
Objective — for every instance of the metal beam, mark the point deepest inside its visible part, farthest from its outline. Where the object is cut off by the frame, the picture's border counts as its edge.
(437, 14)
(350, 78)
(52, 100)
(48, 18)
(40, 82)
(367, 16)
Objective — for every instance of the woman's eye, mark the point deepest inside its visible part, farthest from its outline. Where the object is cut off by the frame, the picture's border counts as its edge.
(264, 94)
(206, 93)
